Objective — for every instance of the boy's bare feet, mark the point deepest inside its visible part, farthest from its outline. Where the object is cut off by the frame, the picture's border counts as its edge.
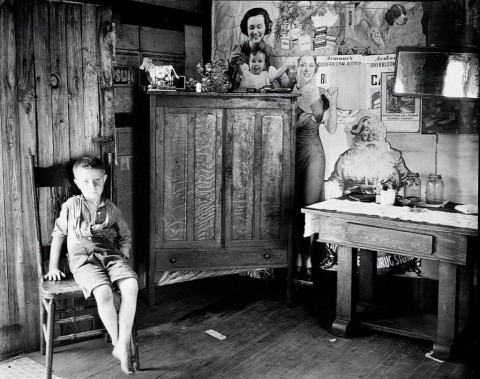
(123, 356)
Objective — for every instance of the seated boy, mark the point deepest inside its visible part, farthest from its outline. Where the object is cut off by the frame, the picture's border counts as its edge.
(98, 244)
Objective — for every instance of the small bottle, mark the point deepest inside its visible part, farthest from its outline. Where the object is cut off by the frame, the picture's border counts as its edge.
(413, 188)
(434, 191)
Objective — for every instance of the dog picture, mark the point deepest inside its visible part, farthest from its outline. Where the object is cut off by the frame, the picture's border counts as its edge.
(375, 19)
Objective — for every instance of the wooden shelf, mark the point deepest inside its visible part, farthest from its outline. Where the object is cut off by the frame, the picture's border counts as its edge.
(397, 321)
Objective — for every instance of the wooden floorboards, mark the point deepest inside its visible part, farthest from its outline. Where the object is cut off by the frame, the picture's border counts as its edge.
(264, 339)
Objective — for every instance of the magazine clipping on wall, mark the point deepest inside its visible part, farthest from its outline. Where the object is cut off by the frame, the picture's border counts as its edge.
(399, 114)
(353, 45)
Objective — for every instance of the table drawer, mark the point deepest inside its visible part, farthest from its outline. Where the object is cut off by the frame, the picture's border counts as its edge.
(394, 241)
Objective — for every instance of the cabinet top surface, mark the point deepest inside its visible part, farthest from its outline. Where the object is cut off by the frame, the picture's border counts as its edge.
(224, 94)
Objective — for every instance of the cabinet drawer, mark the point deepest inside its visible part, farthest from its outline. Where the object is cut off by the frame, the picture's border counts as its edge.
(394, 241)
(195, 260)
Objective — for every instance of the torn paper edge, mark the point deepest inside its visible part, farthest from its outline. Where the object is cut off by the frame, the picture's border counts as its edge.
(215, 334)
(429, 355)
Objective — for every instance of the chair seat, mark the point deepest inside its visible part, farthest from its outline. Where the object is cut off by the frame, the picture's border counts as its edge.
(61, 289)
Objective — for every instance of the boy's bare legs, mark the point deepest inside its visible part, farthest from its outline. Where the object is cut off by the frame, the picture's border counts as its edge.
(129, 289)
(106, 310)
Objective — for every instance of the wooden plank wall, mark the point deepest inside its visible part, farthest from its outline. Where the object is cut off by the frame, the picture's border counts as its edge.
(56, 94)
(456, 157)
(195, 6)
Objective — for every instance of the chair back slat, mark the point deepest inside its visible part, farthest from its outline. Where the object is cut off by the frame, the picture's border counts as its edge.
(53, 176)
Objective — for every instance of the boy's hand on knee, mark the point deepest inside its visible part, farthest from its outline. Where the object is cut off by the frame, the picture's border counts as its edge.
(54, 274)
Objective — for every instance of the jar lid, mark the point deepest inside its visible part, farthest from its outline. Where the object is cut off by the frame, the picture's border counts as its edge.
(434, 176)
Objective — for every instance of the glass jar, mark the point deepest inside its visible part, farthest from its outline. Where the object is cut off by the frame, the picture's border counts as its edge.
(413, 188)
(434, 191)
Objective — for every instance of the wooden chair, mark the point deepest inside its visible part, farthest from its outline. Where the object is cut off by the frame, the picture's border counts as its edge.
(63, 308)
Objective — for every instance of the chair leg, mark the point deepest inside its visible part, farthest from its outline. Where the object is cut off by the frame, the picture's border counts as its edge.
(42, 331)
(134, 347)
(50, 319)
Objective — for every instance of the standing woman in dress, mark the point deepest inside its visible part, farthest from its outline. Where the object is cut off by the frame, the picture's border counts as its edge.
(312, 112)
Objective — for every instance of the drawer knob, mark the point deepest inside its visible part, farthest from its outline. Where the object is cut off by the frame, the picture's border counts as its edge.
(173, 260)
(266, 256)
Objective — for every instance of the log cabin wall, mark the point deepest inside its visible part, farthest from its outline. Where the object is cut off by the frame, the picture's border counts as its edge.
(56, 101)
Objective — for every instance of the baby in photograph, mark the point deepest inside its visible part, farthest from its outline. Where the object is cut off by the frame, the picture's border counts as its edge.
(258, 73)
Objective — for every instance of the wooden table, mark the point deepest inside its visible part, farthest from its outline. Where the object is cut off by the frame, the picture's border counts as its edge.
(372, 232)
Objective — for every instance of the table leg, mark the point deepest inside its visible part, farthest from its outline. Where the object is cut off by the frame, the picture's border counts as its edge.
(448, 285)
(464, 295)
(347, 265)
(366, 275)
(290, 267)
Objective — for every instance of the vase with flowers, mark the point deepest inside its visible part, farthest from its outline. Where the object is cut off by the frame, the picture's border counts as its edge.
(214, 75)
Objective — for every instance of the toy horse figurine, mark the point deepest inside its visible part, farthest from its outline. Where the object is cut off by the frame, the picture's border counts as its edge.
(159, 76)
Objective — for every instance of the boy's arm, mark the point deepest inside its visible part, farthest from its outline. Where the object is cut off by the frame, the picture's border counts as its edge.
(59, 235)
(54, 272)
(125, 236)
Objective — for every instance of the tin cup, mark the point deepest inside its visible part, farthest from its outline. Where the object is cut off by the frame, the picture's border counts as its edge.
(387, 197)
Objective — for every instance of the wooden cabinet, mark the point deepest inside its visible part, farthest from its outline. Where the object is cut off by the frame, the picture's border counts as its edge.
(221, 181)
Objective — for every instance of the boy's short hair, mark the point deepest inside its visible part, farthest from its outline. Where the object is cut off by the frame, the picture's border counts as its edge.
(89, 161)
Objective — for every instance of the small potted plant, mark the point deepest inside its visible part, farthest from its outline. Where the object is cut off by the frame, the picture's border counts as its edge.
(214, 75)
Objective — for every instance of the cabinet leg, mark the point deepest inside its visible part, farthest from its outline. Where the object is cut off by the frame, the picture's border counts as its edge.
(347, 265)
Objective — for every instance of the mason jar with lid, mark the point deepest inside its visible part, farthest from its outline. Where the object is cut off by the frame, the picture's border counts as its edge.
(413, 187)
(434, 190)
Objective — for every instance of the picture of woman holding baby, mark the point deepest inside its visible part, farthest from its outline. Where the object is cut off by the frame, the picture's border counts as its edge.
(256, 24)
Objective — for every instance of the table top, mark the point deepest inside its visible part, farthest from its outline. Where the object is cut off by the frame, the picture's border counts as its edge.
(449, 221)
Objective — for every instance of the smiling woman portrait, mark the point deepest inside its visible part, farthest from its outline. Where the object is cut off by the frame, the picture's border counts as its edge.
(256, 24)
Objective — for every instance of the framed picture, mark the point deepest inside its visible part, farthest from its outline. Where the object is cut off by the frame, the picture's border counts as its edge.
(398, 113)
(432, 71)
(180, 83)
(454, 116)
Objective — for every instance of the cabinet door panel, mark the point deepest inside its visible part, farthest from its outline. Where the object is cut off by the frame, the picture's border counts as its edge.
(242, 175)
(175, 174)
(205, 182)
(255, 171)
(192, 181)
(271, 177)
